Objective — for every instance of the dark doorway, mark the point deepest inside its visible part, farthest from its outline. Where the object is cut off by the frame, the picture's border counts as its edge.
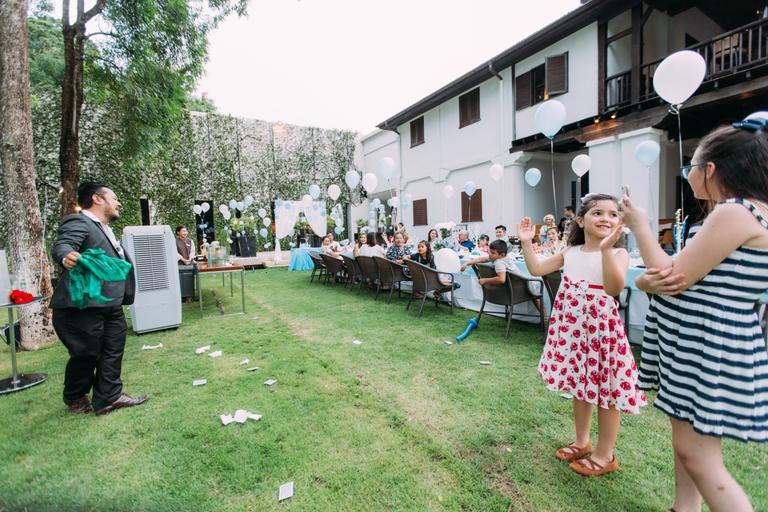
(144, 202)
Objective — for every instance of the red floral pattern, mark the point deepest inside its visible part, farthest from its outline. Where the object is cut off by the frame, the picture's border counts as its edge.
(587, 353)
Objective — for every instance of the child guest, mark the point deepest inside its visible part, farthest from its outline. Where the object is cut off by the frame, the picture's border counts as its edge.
(587, 353)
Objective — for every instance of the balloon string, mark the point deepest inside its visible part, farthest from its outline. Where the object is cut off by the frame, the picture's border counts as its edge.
(676, 111)
(552, 164)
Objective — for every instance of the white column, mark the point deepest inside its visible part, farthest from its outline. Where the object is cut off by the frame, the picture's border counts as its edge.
(513, 189)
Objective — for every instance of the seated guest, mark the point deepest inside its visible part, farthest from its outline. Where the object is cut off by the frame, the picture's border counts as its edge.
(334, 244)
(327, 248)
(549, 222)
(432, 238)
(553, 245)
(482, 243)
(362, 240)
(371, 248)
(401, 229)
(185, 249)
(501, 234)
(464, 240)
(388, 237)
(503, 264)
(398, 250)
(423, 255)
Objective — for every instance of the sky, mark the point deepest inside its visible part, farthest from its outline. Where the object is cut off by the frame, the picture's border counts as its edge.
(351, 64)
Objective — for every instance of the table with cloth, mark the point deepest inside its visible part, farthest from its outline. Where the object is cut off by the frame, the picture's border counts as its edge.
(300, 259)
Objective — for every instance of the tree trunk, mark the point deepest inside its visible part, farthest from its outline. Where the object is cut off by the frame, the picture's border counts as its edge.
(71, 105)
(25, 227)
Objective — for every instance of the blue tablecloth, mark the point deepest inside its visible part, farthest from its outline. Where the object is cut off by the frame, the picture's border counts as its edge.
(300, 259)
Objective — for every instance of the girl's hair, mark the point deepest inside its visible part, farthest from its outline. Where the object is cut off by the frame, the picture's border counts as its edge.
(429, 235)
(549, 216)
(550, 229)
(398, 234)
(576, 235)
(371, 238)
(741, 161)
(484, 237)
(362, 234)
(429, 249)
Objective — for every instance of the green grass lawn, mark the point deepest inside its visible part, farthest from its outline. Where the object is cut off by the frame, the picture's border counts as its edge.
(401, 422)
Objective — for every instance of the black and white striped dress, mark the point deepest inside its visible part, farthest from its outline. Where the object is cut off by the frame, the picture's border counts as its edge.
(704, 350)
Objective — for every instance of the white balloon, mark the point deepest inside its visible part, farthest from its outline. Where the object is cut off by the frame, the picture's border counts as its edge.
(352, 179)
(390, 203)
(306, 199)
(395, 201)
(197, 209)
(267, 221)
(678, 76)
(232, 204)
(549, 117)
(314, 191)
(496, 171)
(406, 201)
(376, 202)
(248, 200)
(205, 207)
(370, 181)
(532, 176)
(334, 192)
(581, 164)
(447, 261)
(470, 188)
(240, 205)
(227, 215)
(448, 191)
(647, 152)
(386, 168)
(262, 212)
(223, 208)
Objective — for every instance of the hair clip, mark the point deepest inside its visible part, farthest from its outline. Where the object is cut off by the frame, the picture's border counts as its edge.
(753, 122)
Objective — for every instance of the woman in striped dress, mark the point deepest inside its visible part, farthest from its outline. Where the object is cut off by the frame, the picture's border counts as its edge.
(703, 348)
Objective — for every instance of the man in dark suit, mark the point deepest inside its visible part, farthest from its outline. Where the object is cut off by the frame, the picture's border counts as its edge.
(95, 335)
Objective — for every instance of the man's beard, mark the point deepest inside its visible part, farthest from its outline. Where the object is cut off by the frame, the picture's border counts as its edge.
(114, 216)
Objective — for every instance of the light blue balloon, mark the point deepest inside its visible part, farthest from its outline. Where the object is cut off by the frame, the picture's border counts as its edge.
(338, 230)
(287, 204)
(232, 204)
(532, 176)
(322, 213)
(647, 152)
(263, 232)
(470, 188)
(279, 202)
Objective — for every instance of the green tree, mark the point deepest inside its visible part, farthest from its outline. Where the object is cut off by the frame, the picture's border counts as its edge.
(148, 60)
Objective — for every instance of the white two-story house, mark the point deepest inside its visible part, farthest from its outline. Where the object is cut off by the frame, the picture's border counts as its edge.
(599, 61)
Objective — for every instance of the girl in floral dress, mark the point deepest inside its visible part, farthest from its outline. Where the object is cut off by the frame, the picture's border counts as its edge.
(587, 353)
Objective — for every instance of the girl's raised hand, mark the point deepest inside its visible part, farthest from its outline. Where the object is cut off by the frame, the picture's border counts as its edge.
(525, 230)
(608, 242)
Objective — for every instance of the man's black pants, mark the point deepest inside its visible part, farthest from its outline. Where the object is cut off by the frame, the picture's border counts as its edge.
(95, 338)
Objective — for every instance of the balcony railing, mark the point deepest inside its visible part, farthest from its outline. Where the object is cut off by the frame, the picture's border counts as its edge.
(733, 52)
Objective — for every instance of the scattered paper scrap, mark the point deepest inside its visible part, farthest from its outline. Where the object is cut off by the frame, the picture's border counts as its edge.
(226, 419)
(215, 354)
(357, 342)
(485, 363)
(255, 318)
(270, 382)
(203, 350)
(253, 368)
(244, 361)
(152, 347)
(240, 416)
(448, 342)
(285, 492)
(199, 382)
(566, 395)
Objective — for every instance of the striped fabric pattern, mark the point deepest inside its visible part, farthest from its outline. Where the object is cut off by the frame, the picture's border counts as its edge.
(704, 351)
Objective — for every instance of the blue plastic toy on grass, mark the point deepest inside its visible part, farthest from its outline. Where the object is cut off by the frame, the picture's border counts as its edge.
(472, 325)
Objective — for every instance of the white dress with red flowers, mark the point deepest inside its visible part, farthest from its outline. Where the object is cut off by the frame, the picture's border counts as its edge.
(587, 353)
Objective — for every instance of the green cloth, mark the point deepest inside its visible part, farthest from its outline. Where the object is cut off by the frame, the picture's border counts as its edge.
(92, 269)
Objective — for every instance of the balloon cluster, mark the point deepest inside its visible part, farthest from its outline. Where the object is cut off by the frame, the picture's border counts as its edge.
(238, 227)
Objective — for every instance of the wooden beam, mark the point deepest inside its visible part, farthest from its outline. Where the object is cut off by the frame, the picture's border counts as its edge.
(602, 30)
(637, 52)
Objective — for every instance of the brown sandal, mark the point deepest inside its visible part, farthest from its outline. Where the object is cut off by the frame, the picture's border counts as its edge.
(571, 452)
(588, 467)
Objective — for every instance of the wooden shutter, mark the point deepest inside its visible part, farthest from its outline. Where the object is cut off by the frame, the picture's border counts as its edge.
(469, 108)
(420, 212)
(417, 131)
(557, 74)
(472, 211)
(523, 91)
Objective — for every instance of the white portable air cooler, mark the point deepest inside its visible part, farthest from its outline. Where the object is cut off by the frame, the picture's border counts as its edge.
(158, 298)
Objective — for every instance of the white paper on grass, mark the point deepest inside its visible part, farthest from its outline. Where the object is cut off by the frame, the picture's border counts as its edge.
(285, 491)
(215, 354)
(199, 382)
(485, 363)
(244, 361)
(253, 368)
(270, 382)
(241, 415)
(152, 347)
(203, 350)
(448, 342)
(357, 342)
(226, 419)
